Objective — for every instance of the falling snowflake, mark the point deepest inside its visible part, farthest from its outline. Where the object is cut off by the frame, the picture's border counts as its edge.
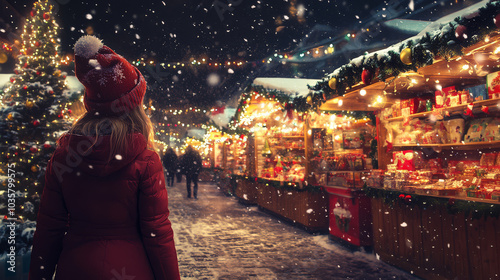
(309, 211)
(404, 224)
(118, 157)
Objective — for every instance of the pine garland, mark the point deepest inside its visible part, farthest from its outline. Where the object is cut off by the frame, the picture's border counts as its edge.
(440, 44)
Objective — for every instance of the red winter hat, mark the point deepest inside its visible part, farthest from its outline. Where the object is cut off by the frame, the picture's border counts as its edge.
(113, 86)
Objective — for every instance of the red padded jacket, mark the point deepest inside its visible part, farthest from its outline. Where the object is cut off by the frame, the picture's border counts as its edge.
(104, 220)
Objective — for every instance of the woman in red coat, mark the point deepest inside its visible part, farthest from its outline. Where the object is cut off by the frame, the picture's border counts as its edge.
(104, 210)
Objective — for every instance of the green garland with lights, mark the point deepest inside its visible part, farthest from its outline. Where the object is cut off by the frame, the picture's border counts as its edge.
(454, 206)
(424, 50)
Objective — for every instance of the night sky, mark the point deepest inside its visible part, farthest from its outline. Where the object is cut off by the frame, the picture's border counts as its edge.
(216, 30)
(176, 30)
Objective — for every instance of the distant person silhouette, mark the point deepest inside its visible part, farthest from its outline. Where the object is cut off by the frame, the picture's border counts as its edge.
(191, 163)
(170, 164)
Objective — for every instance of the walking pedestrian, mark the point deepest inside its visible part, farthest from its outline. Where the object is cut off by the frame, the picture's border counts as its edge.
(104, 209)
(180, 170)
(191, 163)
(170, 163)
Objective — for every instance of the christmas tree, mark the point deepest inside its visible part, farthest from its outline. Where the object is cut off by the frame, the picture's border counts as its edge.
(35, 112)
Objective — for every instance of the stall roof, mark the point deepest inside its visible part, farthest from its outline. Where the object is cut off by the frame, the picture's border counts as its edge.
(222, 119)
(291, 86)
(436, 28)
(433, 27)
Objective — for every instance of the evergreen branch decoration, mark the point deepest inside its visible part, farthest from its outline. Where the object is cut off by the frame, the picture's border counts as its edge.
(442, 43)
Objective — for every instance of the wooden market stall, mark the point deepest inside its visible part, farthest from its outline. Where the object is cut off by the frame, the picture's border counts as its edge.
(435, 198)
(279, 150)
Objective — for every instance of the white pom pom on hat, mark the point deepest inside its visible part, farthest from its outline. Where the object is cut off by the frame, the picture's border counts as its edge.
(87, 46)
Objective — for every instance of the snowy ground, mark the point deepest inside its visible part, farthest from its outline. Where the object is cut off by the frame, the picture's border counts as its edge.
(218, 238)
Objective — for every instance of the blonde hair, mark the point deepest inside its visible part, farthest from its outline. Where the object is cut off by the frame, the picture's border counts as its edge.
(118, 127)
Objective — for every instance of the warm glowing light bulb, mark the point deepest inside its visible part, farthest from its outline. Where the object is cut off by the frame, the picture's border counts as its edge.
(362, 92)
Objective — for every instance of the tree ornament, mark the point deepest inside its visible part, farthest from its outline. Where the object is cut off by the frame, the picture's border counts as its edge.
(332, 83)
(25, 65)
(25, 87)
(405, 56)
(461, 32)
(10, 116)
(38, 73)
(402, 196)
(46, 16)
(309, 100)
(37, 44)
(33, 149)
(12, 80)
(57, 73)
(34, 168)
(32, 13)
(47, 145)
(367, 76)
(36, 123)
(60, 116)
(29, 51)
(496, 20)
(69, 111)
(29, 103)
(408, 198)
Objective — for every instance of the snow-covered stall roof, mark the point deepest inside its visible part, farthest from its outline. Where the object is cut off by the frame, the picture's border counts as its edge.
(222, 119)
(433, 29)
(292, 86)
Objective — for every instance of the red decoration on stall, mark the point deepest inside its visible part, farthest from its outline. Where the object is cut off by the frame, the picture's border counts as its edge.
(60, 116)
(34, 149)
(389, 146)
(496, 20)
(70, 112)
(468, 111)
(37, 44)
(46, 16)
(367, 76)
(32, 13)
(25, 87)
(402, 196)
(47, 146)
(408, 198)
(461, 32)
(36, 123)
(485, 109)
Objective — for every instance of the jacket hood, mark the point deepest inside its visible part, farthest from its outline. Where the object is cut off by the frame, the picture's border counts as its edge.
(94, 161)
